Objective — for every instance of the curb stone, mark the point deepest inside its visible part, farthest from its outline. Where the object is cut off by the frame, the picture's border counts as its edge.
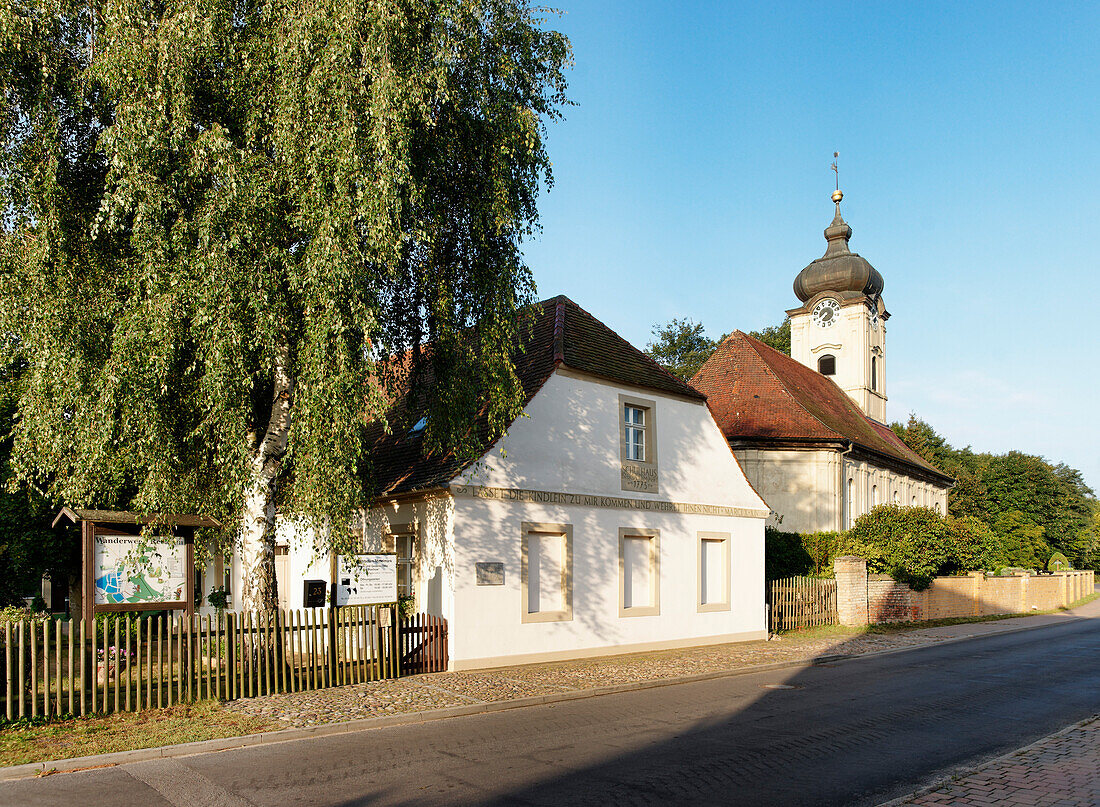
(962, 772)
(75, 764)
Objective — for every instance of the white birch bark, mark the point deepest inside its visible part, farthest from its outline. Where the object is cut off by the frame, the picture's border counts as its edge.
(258, 519)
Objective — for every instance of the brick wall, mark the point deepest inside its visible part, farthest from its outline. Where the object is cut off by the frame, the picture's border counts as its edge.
(864, 598)
(891, 601)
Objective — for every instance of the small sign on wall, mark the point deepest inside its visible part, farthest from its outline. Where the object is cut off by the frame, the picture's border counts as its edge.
(366, 579)
(490, 574)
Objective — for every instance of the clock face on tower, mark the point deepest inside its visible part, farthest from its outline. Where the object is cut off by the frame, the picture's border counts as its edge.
(825, 312)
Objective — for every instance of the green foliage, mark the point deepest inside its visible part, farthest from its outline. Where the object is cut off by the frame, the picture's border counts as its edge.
(1034, 507)
(911, 544)
(776, 336)
(680, 346)
(796, 554)
(974, 546)
(1058, 563)
(193, 190)
(218, 598)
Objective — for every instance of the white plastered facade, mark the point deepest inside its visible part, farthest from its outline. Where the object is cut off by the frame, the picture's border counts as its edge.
(807, 490)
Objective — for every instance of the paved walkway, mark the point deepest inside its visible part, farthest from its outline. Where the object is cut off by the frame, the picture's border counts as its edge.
(440, 690)
(1062, 770)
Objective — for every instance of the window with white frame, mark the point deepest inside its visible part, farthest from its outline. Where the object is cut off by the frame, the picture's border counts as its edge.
(546, 572)
(849, 502)
(404, 547)
(714, 572)
(634, 425)
(639, 572)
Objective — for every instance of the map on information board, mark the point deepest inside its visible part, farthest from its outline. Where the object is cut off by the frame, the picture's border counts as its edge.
(366, 579)
(129, 569)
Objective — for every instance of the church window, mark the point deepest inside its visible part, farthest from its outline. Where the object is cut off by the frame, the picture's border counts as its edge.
(874, 373)
(874, 496)
(937, 507)
(897, 497)
(826, 365)
(849, 503)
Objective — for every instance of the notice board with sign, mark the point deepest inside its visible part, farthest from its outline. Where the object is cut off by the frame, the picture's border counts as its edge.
(366, 579)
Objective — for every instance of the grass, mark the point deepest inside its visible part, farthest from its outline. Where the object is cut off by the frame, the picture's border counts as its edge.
(826, 631)
(26, 741)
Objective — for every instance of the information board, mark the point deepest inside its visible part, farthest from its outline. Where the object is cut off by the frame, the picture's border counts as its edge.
(366, 579)
(129, 569)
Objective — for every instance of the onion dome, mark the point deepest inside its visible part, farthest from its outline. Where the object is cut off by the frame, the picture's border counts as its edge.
(839, 269)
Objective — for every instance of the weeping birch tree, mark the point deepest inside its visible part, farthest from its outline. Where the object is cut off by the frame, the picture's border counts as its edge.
(220, 219)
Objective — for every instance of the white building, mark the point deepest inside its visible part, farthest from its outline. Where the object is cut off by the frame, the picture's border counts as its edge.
(612, 517)
(809, 428)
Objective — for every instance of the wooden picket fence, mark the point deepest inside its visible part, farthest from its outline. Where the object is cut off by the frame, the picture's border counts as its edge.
(802, 602)
(423, 644)
(58, 667)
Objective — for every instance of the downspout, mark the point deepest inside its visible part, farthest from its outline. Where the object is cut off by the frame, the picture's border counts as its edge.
(842, 487)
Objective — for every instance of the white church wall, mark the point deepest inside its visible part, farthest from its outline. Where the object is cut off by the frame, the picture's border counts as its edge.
(800, 487)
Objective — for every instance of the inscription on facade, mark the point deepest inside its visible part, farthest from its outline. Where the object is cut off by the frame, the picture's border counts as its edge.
(639, 477)
(594, 500)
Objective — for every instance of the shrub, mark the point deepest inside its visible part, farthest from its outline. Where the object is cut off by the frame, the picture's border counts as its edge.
(911, 544)
(1058, 563)
(974, 545)
(794, 554)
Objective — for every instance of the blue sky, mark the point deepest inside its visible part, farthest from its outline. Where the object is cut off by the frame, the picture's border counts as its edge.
(692, 180)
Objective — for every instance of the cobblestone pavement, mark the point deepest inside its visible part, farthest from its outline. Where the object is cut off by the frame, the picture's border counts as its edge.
(1062, 770)
(438, 690)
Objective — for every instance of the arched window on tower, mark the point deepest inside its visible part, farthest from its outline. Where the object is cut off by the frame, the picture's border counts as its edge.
(874, 373)
(826, 365)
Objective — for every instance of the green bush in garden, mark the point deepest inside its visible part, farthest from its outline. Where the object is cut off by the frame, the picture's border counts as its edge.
(911, 544)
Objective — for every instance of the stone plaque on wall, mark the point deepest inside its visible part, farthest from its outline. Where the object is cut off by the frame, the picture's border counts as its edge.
(639, 476)
(490, 574)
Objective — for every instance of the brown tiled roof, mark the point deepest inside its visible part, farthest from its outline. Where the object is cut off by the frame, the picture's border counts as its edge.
(758, 394)
(563, 334)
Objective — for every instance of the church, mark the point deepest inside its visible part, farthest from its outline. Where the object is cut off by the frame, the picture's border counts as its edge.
(809, 429)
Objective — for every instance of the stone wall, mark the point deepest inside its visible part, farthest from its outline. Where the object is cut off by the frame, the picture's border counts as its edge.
(863, 599)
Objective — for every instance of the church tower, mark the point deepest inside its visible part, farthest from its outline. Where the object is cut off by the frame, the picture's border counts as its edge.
(840, 328)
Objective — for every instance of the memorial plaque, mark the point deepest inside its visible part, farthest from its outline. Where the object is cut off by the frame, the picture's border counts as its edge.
(490, 574)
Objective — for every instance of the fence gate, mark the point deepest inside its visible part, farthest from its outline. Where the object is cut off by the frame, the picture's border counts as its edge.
(423, 644)
(802, 602)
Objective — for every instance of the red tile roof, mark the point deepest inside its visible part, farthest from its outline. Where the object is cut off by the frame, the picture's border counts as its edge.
(564, 334)
(758, 394)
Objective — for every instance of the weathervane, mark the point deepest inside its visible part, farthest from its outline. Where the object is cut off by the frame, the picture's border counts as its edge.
(837, 195)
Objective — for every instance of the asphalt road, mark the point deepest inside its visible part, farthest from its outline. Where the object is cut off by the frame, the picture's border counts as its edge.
(854, 732)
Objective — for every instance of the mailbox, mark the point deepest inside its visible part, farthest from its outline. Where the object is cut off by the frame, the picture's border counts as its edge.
(313, 595)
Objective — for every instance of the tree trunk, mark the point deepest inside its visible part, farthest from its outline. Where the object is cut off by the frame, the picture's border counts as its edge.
(258, 528)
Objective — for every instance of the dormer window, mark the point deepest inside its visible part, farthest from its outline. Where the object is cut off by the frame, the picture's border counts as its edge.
(826, 365)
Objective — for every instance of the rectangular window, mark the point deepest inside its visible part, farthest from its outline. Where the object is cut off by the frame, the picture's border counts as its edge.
(635, 432)
(404, 565)
(546, 572)
(639, 572)
(714, 572)
(400, 539)
(638, 443)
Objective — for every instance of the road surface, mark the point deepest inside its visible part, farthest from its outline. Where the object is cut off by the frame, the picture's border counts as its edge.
(853, 732)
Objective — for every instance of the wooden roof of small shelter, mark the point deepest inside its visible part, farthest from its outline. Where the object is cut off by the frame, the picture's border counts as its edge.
(124, 517)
